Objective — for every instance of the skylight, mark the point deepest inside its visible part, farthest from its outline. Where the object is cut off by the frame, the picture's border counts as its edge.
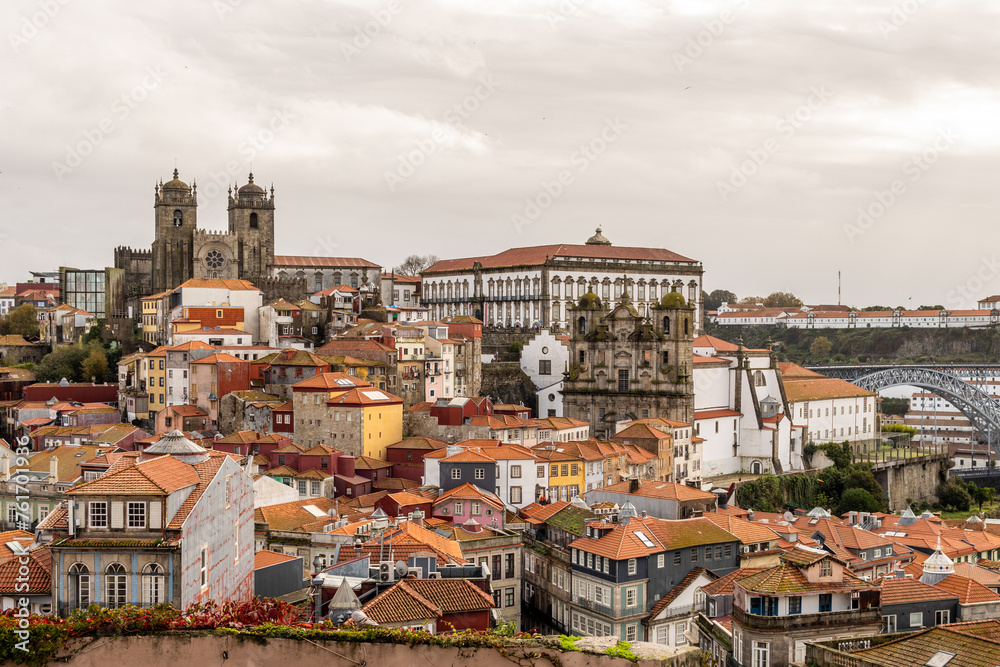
(642, 538)
(344, 382)
(315, 511)
(375, 395)
(939, 659)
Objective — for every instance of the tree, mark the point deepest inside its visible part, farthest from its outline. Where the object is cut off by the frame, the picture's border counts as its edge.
(937, 307)
(414, 264)
(23, 321)
(717, 297)
(95, 366)
(751, 300)
(955, 495)
(782, 299)
(63, 362)
(820, 347)
(981, 494)
(895, 406)
(858, 500)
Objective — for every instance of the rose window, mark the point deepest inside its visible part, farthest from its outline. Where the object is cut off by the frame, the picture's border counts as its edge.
(215, 259)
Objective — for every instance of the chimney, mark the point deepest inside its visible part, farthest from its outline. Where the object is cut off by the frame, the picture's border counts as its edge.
(633, 485)
(852, 518)
(54, 469)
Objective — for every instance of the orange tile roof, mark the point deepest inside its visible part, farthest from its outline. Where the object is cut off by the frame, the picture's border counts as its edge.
(291, 516)
(219, 283)
(39, 577)
(968, 591)
(538, 255)
(791, 371)
(823, 388)
(724, 585)
(404, 499)
(787, 578)
(159, 476)
(748, 532)
(262, 559)
(905, 591)
(324, 262)
(664, 490)
(418, 443)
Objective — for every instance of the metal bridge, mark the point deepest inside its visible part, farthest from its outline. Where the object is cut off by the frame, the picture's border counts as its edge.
(949, 381)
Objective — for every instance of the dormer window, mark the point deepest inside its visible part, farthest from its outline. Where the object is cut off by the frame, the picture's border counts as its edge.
(826, 567)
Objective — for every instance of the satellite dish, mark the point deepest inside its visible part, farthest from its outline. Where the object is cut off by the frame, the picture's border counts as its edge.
(401, 569)
(789, 517)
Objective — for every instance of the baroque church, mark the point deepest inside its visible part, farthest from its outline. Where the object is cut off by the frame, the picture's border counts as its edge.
(181, 251)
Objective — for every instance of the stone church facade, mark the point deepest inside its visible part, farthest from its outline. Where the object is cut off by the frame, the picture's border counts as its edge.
(627, 364)
(181, 251)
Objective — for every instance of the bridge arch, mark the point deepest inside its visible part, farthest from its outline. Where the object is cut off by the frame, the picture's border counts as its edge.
(982, 411)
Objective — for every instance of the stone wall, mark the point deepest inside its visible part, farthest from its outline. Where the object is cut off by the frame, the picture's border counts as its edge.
(205, 648)
(912, 480)
(505, 382)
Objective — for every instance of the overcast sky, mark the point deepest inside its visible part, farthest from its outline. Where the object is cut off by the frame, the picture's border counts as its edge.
(744, 134)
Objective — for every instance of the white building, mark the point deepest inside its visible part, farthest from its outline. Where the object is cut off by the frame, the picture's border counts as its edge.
(533, 287)
(544, 359)
(324, 272)
(562, 429)
(219, 292)
(828, 409)
(748, 384)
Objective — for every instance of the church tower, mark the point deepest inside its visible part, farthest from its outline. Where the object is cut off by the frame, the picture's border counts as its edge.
(251, 220)
(175, 206)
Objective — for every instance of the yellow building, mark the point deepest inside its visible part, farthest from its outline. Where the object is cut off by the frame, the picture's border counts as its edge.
(564, 473)
(347, 413)
(156, 379)
(152, 315)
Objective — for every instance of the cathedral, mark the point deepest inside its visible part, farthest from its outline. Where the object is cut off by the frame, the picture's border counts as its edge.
(181, 251)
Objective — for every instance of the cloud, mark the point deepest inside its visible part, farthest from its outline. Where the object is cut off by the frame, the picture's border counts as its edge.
(232, 66)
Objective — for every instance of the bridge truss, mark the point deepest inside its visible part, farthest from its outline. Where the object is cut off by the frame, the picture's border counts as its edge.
(975, 403)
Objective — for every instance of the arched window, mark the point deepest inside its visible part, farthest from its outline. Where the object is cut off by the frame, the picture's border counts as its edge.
(253, 221)
(116, 585)
(178, 218)
(152, 584)
(79, 585)
(756, 468)
(666, 324)
(581, 325)
(758, 379)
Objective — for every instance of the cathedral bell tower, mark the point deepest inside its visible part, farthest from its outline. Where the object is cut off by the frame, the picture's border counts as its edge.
(175, 206)
(251, 220)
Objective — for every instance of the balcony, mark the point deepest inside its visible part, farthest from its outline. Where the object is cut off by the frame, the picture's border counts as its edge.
(595, 607)
(827, 619)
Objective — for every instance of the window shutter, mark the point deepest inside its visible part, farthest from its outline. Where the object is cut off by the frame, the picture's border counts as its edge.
(117, 515)
(82, 515)
(154, 515)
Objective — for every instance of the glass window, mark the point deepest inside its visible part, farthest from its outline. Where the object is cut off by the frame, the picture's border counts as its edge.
(137, 515)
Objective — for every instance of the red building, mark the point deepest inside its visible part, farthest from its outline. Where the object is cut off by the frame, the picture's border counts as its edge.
(440, 605)
(373, 469)
(346, 482)
(251, 442)
(80, 392)
(403, 503)
(407, 456)
(283, 418)
(454, 412)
